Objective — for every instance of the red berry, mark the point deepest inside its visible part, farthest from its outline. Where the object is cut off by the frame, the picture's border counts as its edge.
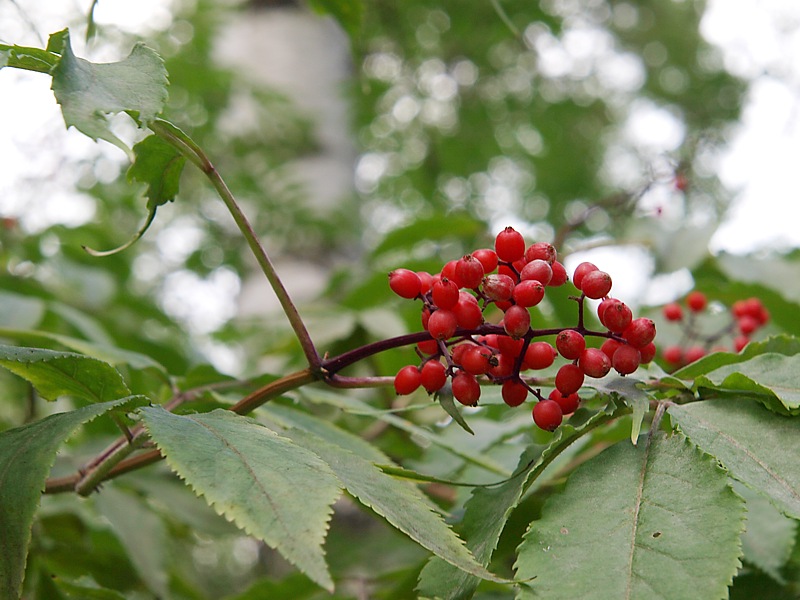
(616, 315)
(509, 245)
(673, 355)
(475, 360)
(580, 272)
(537, 270)
(596, 284)
(594, 363)
(433, 376)
(498, 287)
(696, 301)
(466, 388)
(626, 359)
(570, 344)
(428, 347)
(426, 281)
(560, 276)
(509, 346)
(514, 392)
(569, 379)
(673, 312)
(648, 353)
(609, 347)
(407, 380)
(517, 321)
(442, 324)
(640, 332)
(487, 258)
(547, 415)
(748, 325)
(405, 283)
(528, 293)
(569, 404)
(449, 271)
(469, 271)
(694, 353)
(458, 352)
(541, 250)
(739, 342)
(539, 355)
(445, 293)
(468, 312)
(504, 366)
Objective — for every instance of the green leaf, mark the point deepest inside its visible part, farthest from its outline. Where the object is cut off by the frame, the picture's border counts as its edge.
(758, 447)
(772, 377)
(56, 374)
(159, 165)
(399, 502)
(26, 456)
(29, 59)
(349, 13)
(254, 477)
(485, 516)
(88, 92)
(636, 522)
(445, 398)
(768, 541)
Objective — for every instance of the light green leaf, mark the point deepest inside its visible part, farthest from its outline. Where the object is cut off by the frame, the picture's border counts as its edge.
(88, 92)
(758, 447)
(771, 376)
(399, 502)
(657, 520)
(770, 536)
(26, 456)
(445, 398)
(56, 374)
(273, 489)
(159, 165)
(141, 531)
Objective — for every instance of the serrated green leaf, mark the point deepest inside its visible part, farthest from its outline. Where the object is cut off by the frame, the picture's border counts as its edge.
(653, 520)
(758, 447)
(159, 165)
(88, 92)
(26, 456)
(56, 374)
(254, 477)
(399, 502)
(771, 376)
(770, 536)
(780, 344)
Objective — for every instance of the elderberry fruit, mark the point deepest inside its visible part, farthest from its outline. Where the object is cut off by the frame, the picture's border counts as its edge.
(547, 414)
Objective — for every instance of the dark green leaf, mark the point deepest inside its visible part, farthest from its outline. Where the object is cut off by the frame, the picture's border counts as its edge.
(159, 165)
(445, 398)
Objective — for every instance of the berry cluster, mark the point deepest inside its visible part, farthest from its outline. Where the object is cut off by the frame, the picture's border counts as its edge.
(747, 317)
(508, 281)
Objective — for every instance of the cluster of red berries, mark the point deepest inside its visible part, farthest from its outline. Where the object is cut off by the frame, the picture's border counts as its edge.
(509, 280)
(747, 317)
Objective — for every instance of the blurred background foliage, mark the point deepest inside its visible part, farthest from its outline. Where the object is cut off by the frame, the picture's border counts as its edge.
(589, 123)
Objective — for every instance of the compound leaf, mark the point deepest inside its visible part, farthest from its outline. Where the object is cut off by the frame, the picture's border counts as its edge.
(26, 455)
(270, 487)
(635, 521)
(757, 446)
(56, 374)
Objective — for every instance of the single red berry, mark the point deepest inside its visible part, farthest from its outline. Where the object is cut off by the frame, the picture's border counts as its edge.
(426, 281)
(580, 272)
(609, 347)
(428, 347)
(449, 272)
(673, 355)
(509, 346)
(547, 415)
(739, 342)
(468, 312)
(528, 293)
(748, 325)
(407, 380)
(514, 392)
(648, 353)
(503, 367)
(469, 271)
(405, 283)
(539, 355)
(560, 276)
(596, 284)
(445, 293)
(458, 351)
(594, 363)
(696, 301)
(509, 245)
(498, 287)
(640, 332)
(569, 379)
(626, 359)
(487, 258)
(570, 344)
(466, 388)
(433, 376)
(475, 360)
(673, 312)
(541, 250)
(537, 270)
(442, 324)
(615, 315)
(694, 353)
(569, 404)
(517, 321)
